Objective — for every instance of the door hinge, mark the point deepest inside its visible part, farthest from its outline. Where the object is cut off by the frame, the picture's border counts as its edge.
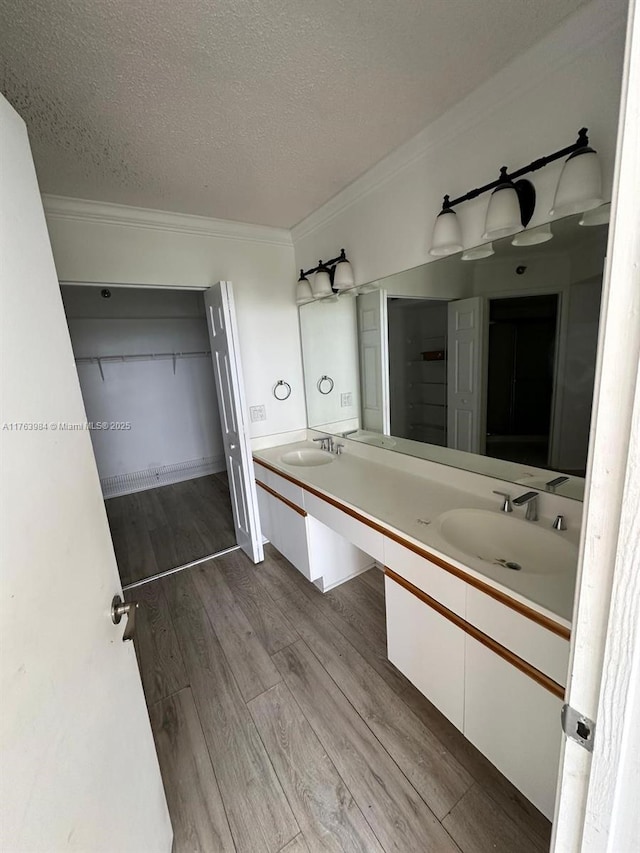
(578, 727)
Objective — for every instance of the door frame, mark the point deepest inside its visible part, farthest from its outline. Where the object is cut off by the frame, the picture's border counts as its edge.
(596, 807)
(187, 289)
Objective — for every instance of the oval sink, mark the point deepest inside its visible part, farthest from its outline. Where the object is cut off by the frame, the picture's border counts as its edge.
(307, 457)
(511, 543)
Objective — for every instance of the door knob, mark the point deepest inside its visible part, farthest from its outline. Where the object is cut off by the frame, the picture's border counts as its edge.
(120, 608)
(233, 446)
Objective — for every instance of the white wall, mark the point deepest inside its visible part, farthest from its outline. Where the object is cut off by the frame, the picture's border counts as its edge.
(111, 243)
(532, 107)
(174, 416)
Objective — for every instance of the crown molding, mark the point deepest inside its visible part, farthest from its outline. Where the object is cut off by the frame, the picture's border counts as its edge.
(579, 33)
(106, 213)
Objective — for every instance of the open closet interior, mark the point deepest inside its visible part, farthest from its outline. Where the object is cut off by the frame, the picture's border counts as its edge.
(144, 362)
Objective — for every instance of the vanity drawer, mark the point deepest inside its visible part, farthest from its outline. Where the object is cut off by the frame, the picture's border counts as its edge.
(283, 487)
(534, 643)
(359, 534)
(436, 582)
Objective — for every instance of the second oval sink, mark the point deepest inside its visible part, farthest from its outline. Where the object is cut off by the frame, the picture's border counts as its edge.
(505, 541)
(307, 457)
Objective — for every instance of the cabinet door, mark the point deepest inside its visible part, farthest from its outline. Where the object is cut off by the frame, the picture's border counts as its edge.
(265, 502)
(515, 722)
(290, 532)
(428, 649)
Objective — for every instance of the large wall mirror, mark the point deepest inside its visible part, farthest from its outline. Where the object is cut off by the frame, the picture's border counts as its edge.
(480, 361)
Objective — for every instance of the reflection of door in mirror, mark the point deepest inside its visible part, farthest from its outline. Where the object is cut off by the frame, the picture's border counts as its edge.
(374, 360)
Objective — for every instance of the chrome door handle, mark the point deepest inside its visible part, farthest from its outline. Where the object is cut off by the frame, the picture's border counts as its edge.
(120, 608)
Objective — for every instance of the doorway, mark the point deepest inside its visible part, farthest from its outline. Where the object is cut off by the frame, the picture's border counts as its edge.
(520, 381)
(144, 363)
(418, 369)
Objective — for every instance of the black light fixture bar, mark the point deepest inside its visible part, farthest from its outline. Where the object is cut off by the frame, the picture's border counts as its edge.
(324, 265)
(581, 142)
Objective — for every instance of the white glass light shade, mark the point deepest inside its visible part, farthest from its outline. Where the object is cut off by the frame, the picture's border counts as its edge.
(580, 184)
(447, 235)
(343, 276)
(596, 216)
(533, 236)
(478, 252)
(503, 214)
(303, 291)
(321, 285)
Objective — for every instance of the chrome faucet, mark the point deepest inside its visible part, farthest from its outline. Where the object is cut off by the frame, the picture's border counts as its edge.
(326, 442)
(349, 432)
(552, 485)
(530, 499)
(506, 504)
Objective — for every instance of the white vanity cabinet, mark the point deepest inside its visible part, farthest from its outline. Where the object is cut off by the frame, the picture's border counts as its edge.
(286, 527)
(493, 671)
(320, 553)
(428, 649)
(514, 721)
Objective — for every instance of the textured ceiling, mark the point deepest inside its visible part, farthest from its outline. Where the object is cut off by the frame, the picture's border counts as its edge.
(252, 110)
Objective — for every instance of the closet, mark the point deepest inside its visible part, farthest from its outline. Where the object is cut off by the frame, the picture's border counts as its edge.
(144, 364)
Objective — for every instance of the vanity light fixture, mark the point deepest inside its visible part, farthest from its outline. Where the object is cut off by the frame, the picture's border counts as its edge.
(513, 197)
(596, 216)
(533, 236)
(303, 290)
(478, 252)
(329, 278)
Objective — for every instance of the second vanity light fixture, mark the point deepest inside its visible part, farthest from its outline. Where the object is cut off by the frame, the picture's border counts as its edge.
(329, 278)
(513, 201)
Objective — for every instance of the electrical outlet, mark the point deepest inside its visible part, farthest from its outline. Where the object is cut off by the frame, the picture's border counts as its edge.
(257, 413)
(346, 399)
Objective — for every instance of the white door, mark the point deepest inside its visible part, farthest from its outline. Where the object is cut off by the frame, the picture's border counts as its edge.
(225, 353)
(373, 342)
(467, 340)
(79, 768)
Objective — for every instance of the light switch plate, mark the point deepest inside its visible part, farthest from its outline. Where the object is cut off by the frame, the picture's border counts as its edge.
(346, 399)
(257, 413)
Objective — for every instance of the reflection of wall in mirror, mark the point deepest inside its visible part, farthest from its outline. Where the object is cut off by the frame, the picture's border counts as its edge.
(330, 348)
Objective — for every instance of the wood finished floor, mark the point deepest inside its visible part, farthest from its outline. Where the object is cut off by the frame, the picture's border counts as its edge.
(163, 528)
(281, 726)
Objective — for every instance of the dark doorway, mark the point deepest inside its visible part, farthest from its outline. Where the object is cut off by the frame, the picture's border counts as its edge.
(522, 348)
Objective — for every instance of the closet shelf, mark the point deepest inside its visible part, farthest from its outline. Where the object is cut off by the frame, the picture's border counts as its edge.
(133, 357)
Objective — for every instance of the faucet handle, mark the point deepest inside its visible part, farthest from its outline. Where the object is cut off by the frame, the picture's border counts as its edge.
(506, 506)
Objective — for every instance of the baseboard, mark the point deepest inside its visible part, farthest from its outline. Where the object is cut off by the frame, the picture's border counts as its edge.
(319, 583)
(151, 478)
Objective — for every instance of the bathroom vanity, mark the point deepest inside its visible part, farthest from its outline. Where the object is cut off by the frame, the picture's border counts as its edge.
(487, 644)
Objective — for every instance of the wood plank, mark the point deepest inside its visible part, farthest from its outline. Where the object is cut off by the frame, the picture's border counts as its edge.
(197, 813)
(181, 594)
(249, 661)
(257, 810)
(375, 579)
(161, 665)
(393, 809)
(477, 824)
(297, 845)
(324, 808)
(439, 779)
(266, 618)
(531, 823)
(278, 577)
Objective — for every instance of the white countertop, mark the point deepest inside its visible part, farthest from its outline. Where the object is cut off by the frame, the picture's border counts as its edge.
(409, 505)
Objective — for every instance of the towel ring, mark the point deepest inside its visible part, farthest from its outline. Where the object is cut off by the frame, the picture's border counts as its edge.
(321, 384)
(286, 390)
